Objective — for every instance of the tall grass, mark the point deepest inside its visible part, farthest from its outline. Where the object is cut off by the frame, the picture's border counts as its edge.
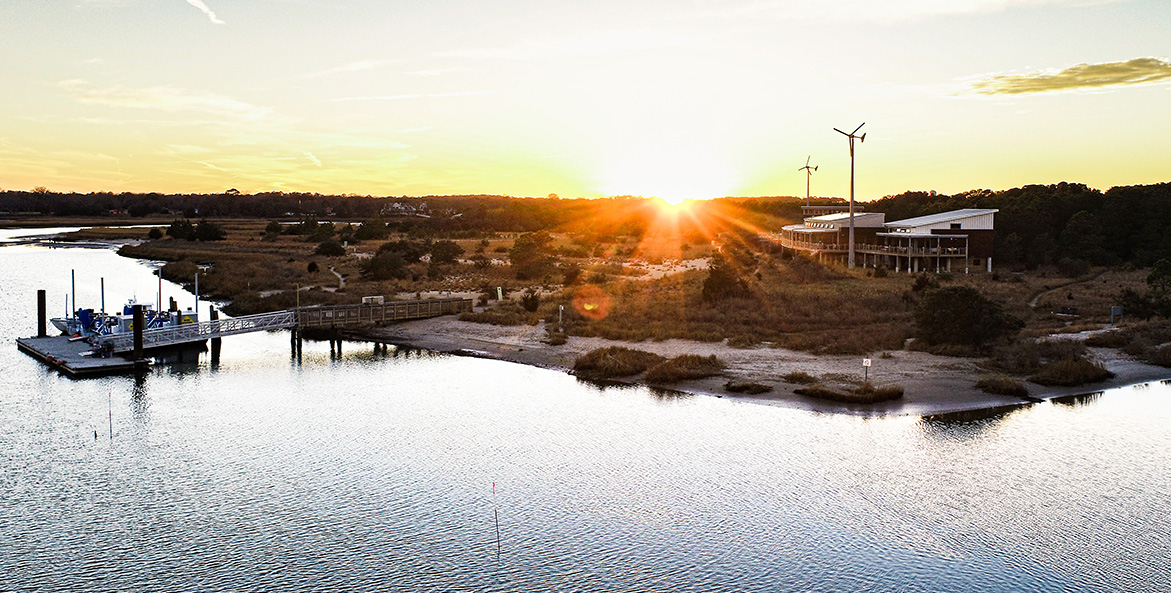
(686, 366)
(614, 361)
(1071, 372)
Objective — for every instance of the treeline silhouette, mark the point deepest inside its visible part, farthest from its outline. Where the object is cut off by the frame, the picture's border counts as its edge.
(1067, 224)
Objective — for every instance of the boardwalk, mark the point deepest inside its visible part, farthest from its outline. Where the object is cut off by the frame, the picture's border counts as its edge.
(77, 357)
(331, 316)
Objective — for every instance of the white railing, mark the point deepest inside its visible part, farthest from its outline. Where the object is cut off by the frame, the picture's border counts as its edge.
(194, 332)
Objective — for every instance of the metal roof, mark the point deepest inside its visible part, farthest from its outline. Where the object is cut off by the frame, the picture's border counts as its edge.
(942, 217)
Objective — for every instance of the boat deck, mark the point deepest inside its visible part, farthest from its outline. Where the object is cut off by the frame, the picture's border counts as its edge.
(71, 358)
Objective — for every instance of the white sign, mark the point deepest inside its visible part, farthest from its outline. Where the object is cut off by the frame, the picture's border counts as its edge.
(865, 362)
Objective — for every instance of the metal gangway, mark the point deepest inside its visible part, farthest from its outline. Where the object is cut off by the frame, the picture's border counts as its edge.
(195, 332)
(315, 316)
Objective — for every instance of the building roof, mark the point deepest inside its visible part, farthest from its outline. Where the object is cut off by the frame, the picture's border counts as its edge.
(942, 217)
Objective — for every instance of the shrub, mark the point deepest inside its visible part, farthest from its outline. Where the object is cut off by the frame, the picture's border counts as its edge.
(614, 361)
(961, 315)
(799, 377)
(744, 341)
(864, 394)
(746, 387)
(530, 300)
(507, 313)
(155, 233)
(556, 338)
(1071, 372)
(686, 366)
(1162, 356)
(1108, 339)
(1002, 385)
(330, 248)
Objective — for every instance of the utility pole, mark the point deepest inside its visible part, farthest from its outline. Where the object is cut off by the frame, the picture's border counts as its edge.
(861, 138)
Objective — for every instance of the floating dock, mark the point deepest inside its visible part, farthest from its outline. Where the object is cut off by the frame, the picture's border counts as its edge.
(73, 357)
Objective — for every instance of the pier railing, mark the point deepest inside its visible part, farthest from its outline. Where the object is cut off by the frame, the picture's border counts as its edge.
(317, 316)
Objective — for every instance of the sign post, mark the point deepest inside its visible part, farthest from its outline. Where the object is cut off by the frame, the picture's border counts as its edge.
(866, 368)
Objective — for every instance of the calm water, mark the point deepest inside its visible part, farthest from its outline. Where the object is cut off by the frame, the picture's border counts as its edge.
(375, 473)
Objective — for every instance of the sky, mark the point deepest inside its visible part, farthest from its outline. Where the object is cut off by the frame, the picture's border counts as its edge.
(676, 99)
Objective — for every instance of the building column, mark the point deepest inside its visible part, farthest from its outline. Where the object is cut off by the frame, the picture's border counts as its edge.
(990, 265)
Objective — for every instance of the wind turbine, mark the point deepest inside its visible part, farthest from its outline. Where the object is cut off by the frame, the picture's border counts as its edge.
(862, 138)
(808, 173)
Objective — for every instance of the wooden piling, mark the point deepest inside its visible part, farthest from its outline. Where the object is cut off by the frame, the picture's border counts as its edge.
(42, 314)
(215, 342)
(139, 324)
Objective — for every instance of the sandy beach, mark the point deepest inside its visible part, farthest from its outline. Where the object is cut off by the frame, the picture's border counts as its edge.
(933, 384)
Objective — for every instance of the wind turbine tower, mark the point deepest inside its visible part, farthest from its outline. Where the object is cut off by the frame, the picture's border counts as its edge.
(808, 173)
(862, 138)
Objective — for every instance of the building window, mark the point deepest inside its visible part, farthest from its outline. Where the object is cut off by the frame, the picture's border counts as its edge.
(955, 225)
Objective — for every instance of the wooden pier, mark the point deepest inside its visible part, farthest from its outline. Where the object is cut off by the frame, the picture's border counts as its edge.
(119, 353)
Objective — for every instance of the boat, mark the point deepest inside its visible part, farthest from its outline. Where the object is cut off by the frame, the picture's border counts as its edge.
(87, 322)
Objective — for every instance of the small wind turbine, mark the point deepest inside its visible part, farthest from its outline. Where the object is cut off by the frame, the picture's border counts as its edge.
(808, 173)
(862, 138)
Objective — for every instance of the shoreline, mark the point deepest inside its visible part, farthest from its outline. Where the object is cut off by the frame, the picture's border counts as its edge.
(934, 385)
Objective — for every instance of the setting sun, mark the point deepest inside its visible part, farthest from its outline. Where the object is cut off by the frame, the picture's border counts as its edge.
(672, 167)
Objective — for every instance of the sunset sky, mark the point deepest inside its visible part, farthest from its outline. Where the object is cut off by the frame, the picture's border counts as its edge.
(682, 99)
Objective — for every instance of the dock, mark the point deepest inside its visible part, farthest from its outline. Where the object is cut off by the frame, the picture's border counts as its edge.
(73, 358)
(120, 353)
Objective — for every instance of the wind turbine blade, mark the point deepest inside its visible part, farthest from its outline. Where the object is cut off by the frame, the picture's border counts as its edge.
(857, 128)
(807, 160)
(840, 132)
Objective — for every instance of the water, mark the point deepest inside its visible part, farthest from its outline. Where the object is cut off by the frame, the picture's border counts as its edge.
(375, 473)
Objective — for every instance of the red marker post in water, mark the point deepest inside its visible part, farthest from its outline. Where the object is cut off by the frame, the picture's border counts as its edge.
(496, 514)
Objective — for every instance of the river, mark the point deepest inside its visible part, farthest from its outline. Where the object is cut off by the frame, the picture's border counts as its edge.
(376, 472)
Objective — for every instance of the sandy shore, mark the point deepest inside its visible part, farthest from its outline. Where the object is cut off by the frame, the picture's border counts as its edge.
(933, 384)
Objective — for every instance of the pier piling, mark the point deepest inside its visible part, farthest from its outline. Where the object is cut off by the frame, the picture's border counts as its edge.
(215, 342)
(139, 324)
(42, 314)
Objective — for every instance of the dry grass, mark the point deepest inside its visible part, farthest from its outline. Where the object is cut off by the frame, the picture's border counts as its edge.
(614, 361)
(684, 367)
(864, 394)
(799, 377)
(1002, 385)
(746, 387)
(1071, 373)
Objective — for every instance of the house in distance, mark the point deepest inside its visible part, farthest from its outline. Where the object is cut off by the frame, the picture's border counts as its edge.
(943, 242)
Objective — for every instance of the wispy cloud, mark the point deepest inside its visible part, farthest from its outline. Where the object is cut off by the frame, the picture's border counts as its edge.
(355, 66)
(313, 159)
(163, 98)
(1079, 77)
(413, 96)
(206, 10)
(869, 10)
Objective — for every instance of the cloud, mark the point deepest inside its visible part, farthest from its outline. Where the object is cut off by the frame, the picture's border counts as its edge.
(313, 159)
(203, 7)
(357, 66)
(414, 96)
(869, 10)
(170, 99)
(1081, 76)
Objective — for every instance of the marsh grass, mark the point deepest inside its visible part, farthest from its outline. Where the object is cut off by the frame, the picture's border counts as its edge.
(1002, 385)
(799, 377)
(1071, 373)
(863, 394)
(686, 366)
(747, 387)
(614, 361)
(506, 313)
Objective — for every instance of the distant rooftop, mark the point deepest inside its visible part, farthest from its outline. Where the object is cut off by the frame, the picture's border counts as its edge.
(942, 217)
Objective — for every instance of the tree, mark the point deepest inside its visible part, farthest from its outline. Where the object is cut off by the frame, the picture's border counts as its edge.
(384, 266)
(530, 255)
(155, 233)
(445, 252)
(722, 282)
(330, 248)
(209, 231)
(181, 229)
(961, 315)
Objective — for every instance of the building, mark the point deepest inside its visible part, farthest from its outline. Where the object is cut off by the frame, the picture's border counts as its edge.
(944, 242)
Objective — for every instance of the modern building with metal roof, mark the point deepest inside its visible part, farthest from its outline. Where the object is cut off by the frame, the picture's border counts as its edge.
(947, 241)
